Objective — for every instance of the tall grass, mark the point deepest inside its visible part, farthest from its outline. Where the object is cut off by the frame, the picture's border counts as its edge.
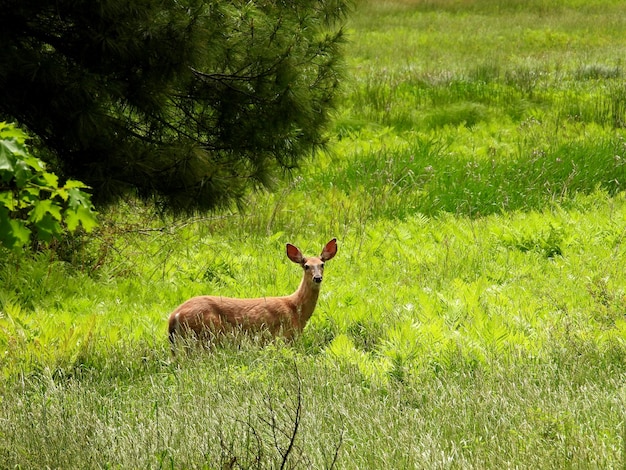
(239, 409)
(473, 317)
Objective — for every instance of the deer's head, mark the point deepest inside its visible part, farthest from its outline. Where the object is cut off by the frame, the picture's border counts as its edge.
(314, 265)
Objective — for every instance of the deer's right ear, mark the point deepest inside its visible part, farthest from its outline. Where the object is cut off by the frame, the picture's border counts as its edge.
(330, 250)
(294, 254)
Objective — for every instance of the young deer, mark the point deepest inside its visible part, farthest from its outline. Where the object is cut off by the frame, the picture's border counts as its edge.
(206, 317)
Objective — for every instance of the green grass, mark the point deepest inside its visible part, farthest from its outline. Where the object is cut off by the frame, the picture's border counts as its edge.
(474, 316)
(208, 413)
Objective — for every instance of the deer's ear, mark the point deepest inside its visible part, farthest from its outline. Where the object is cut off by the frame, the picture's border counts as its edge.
(294, 254)
(330, 250)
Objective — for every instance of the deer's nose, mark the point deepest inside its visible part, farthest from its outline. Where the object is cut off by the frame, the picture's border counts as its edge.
(317, 279)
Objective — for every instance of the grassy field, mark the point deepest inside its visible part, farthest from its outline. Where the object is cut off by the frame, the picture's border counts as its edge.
(474, 316)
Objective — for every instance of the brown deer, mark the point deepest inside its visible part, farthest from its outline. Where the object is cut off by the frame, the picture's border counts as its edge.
(206, 317)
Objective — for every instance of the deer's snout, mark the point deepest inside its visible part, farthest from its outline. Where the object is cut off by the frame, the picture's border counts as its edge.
(316, 274)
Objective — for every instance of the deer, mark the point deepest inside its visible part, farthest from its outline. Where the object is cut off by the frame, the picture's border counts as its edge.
(207, 317)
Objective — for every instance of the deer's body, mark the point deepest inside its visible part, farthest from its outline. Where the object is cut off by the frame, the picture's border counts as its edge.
(208, 316)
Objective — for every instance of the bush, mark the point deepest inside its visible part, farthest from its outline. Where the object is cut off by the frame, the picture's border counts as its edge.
(33, 206)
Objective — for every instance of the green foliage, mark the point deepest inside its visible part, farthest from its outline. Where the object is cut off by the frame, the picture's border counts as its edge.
(33, 206)
(190, 103)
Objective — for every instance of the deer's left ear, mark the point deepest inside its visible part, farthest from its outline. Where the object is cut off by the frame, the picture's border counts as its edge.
(330, 250)
(294, 254)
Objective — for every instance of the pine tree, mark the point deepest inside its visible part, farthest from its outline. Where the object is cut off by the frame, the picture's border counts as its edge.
(189, 102)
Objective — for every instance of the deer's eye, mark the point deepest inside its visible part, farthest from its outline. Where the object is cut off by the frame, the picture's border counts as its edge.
(322, 265)
(306, 267)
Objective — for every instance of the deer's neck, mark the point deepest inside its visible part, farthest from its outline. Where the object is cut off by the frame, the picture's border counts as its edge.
(305, 299)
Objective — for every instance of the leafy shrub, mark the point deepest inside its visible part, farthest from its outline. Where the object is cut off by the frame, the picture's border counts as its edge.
(33, 206)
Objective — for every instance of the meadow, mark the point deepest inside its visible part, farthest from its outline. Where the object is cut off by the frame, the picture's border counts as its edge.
(474, 316)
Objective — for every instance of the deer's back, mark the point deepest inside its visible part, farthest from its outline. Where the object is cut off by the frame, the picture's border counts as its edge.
(219, 314)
